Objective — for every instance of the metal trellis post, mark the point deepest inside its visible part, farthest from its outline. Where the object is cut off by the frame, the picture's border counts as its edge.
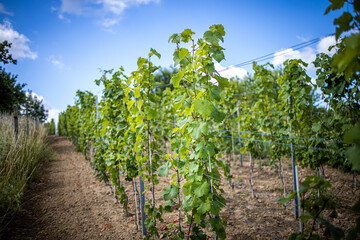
(212, 191)
(297, 207)
(142, 204)
(240, 140)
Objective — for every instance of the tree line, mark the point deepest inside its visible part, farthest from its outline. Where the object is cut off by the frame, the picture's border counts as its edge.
(13, 94)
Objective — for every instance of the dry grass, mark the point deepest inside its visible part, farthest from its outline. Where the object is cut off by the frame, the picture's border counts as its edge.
(19, 161)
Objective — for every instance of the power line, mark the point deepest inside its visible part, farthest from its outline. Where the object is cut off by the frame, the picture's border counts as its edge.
(280, 53)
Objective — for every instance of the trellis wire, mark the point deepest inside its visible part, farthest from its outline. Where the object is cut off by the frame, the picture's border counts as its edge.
(287, 144)
(283, 136)
(256, 191)
(270, 135)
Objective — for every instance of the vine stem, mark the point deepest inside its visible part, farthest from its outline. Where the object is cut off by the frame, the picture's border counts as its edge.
(191, 222)
(316, 217)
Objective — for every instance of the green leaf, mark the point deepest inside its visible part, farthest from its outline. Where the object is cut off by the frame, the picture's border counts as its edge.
(153, 51)
(210, 147)
(170, 192)
(177, 78)
(304, 218)
(214, 92)
(202, 190)
(204, 107)
(182, 53)
(163, 171)
(186, 35)
(243, 150)
(335, 5)
(140, 62)
(222, 82)
(217, 115)
(218, 28)
(137, 91)
(151, 113)
(186, 188)
(193, 167)
(287, 198)
(197, 233)
(316, 127)
(218, 55)
(176, 57)
(211, 37)
(353, 136)
(188, 202)
(168, 206)
(175, 38)
(343, 23)
(204, 206)
(314, 182)
(218, 226)
(130, 104)
(199, 129)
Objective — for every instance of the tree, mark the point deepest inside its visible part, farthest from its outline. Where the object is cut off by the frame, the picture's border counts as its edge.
(10, 91)
(36, 108)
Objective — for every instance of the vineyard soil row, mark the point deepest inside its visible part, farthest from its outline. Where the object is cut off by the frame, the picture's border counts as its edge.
(67, 202)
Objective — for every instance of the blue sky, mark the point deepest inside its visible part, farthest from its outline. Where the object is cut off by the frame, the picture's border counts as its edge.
(61, 44)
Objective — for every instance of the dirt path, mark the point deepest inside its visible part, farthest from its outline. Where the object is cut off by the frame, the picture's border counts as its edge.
(68, 202)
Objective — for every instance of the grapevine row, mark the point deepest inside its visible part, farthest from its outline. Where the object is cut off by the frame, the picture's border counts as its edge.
(128, 137)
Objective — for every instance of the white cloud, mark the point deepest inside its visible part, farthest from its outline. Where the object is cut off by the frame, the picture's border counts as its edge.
(114, 6)
(230, 71)
(71, 6)
(53, 113)
(56, 62)
(307, 54)
(108, 22)
(4, 11)
(325, 43)
(107, 12)
(117, 7)
(62, 17)
(20, 43)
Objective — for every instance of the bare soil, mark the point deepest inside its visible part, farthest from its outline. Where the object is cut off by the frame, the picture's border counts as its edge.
(68, 202)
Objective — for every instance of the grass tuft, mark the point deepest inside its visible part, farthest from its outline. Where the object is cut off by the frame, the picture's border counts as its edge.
(19, 162)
